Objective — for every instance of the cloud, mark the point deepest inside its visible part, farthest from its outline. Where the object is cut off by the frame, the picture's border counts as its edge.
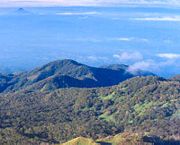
(94, 60)
(137, 61)
(142, 65)
(78, 13)
(128, 56)
(169, 55)
(164, 18)
(124, 39)
(88, 39)
(108, 39)
(152, 65)
(129, 39)
(97, 58)
(87, 2)
(149, 65)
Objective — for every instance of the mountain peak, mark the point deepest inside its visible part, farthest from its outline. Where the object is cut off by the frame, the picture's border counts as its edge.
(22, 11)
(68, 61)
(61, 63)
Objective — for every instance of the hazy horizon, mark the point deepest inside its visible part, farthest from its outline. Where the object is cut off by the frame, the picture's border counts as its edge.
(19, 3)
(142, 37)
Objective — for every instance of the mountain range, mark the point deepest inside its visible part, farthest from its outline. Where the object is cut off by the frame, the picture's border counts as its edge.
(68, 73)
(50, 105)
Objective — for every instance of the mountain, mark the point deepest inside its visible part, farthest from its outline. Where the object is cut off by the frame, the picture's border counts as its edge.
(21, 11)
(147, 106)
(68, 73)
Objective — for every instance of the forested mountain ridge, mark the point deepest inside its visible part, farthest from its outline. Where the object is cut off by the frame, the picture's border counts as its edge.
(146, 105)
(65, 74)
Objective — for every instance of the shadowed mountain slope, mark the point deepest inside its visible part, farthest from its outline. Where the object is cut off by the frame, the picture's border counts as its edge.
(67, 73)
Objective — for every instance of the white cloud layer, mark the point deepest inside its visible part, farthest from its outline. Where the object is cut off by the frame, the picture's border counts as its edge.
(138, 62)
(97, 58)
(129, 39)
(164, 18)
(151, 65)
(169, 55)
(142, 65)
(78, 13)
(128, 56)
(86, 2)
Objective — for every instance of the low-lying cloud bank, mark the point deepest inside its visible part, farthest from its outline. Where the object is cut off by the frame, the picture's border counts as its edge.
(160, 18)
(4, 3)
(78, 13)
(156, 64)
(169, 55)
(128, 56)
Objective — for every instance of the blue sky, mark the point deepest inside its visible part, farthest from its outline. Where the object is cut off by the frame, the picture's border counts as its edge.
(142, 37)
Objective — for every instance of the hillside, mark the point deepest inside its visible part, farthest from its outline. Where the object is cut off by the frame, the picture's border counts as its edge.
(145, 105)
(64, 74)
(81, 141)
(176, 78)
(126, 138)
(120, 139)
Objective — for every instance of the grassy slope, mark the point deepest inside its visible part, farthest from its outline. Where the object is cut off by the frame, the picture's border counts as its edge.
(120, 139)
(81, 141)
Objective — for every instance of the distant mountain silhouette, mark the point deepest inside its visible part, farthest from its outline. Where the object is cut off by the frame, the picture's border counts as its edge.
(68, 73)
(22, 11)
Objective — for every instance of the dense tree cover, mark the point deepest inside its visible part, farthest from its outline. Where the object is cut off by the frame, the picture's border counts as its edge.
(145, 105)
